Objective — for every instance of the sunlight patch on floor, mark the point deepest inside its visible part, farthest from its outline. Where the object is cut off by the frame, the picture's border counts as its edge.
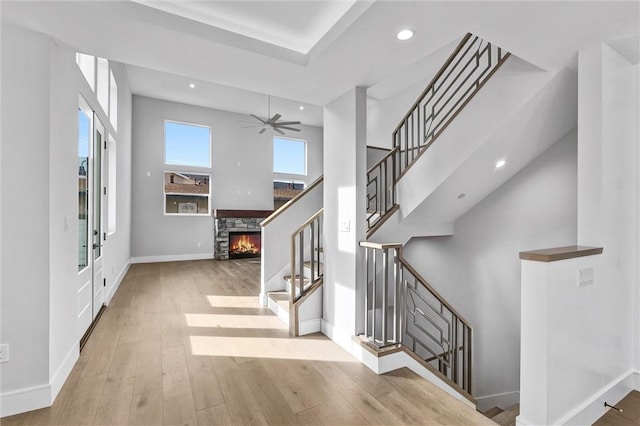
(234, 321)
(234, 301)
(274, 348)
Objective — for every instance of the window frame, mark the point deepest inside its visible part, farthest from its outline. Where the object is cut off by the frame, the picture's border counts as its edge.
(306, 156)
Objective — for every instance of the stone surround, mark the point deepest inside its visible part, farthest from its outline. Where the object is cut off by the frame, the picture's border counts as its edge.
(226, 221)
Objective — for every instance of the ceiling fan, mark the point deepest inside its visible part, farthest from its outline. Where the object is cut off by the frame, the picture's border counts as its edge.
(273, 123)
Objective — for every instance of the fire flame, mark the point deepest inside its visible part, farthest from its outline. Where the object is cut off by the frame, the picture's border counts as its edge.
(244, 245)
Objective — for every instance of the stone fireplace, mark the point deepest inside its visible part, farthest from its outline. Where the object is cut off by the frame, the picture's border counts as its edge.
(237, 233)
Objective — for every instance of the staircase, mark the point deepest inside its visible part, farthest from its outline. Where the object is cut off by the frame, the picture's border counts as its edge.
(292, 261)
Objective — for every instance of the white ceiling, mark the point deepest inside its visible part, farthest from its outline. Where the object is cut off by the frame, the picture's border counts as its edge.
(310, 52)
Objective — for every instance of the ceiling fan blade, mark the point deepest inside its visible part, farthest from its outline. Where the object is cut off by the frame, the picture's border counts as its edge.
(287, 128)
(262, 131)
(277, 130)
(287, 123)
(258, 118)
(275, 118)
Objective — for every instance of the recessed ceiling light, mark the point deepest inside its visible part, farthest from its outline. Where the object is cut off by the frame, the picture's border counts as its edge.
(191, 85)
(461, 196)
(301, 107)
(405, 34)
(500, 163)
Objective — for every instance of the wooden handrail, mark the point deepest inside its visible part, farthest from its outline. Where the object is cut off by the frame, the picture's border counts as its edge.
(443, 68)
(304, 225)
(292, 201)
(380, 246)
(383, 159)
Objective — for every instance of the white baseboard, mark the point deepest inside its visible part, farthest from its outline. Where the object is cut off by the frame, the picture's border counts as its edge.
(171, 258)
(310, 326)
(504, 400)
(24, 400)
(340, 337)
(593, 408)
(64, 370)
(114, 287)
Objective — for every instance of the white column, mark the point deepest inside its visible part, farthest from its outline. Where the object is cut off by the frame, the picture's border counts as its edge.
(344, 215)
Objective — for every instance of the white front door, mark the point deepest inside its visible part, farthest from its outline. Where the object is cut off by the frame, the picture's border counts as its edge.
(90, 285)
(97, 233)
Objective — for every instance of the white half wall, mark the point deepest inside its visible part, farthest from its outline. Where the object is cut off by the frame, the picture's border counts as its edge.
(477, 269)
(241, 174)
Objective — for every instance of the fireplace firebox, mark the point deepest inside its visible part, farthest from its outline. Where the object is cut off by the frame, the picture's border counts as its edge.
(244, 245)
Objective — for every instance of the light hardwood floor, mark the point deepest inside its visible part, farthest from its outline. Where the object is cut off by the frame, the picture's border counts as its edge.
(630, 415)
(187, 343)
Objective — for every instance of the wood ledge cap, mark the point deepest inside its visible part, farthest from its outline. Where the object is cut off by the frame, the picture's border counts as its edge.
(559, 253)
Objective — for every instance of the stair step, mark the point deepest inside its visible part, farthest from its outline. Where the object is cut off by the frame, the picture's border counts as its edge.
(287, 278)
(281, 298)
(507, 417)
(493, 412)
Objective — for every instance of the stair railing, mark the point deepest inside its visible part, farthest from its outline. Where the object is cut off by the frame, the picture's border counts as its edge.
(467, 69)
(306, 239)
(381, 195)
(402, 308)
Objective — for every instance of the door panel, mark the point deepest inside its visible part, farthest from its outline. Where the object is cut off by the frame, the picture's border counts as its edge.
(97, 237)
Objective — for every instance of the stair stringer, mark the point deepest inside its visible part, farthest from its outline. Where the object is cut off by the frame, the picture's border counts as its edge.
(400, 358)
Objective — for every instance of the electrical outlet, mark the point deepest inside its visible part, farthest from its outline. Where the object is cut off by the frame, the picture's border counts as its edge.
(344, 226)
(4, 352)
(199, 244)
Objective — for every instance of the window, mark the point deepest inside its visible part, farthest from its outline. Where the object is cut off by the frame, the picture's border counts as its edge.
(84, 139)
(284, 191)
(186, 193)
(103, 84)
(289, 156)
(187, 144)
(87, 65)
(111, 189)
(113, 101)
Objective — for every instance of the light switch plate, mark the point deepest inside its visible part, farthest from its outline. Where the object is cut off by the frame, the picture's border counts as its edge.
(344, 226)
(4, 352)
(585, 277)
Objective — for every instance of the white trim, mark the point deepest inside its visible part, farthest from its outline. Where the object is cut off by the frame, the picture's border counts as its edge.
(593, 408)
(310, 326)
(340, 337)
(24, 400)
(64, 370)
(394, 361)
(114, 287)
(280, 312)
(502, 400)
(171, 258)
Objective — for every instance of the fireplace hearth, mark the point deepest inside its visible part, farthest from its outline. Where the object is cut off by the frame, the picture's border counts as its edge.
(244, 245)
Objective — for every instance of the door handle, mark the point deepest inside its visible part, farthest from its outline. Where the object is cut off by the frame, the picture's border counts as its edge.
(96, 245)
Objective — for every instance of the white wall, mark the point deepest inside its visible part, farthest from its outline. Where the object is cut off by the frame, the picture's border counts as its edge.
(242, 175)
(607, 216)
(25, 195)
(344, 213)
(40, 88)
(478, 271)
